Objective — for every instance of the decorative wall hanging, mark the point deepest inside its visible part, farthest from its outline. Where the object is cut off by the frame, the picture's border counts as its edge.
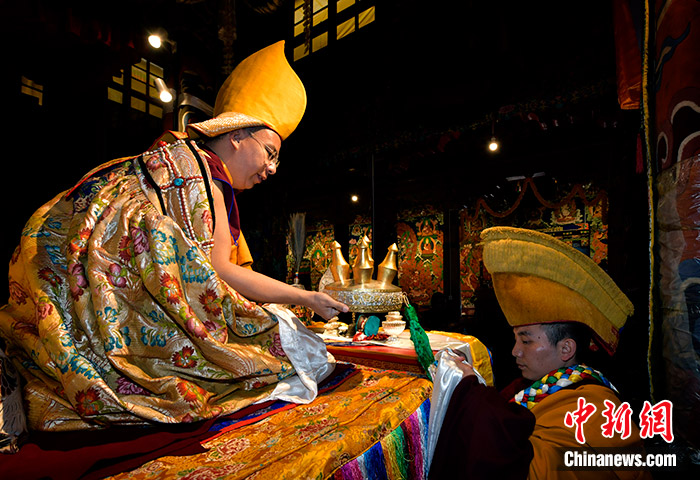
(673, 171)
(420, 242)
(579, 218)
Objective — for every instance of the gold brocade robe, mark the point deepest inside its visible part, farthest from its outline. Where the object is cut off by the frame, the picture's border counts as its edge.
(116, 315)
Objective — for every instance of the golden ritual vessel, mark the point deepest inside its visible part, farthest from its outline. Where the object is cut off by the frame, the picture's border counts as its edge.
(361, 293)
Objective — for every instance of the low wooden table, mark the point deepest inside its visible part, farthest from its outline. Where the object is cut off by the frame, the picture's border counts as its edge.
(376, 356)
(401, 357)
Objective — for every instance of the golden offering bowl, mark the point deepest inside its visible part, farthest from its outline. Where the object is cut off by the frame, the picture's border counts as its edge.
(369, 297)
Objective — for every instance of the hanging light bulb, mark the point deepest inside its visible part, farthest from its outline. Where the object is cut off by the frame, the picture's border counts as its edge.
(493, 144)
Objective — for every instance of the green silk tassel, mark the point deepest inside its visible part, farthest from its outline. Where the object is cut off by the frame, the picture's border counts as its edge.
(419, 339)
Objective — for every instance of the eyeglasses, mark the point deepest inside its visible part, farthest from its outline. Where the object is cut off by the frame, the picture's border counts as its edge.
(273, 156)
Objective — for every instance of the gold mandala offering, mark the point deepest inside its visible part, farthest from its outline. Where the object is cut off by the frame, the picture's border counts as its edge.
(361, 293)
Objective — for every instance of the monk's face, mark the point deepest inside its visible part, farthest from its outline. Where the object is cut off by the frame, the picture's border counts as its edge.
(255, 157)
(533, 352)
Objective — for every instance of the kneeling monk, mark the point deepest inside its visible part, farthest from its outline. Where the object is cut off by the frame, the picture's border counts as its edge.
(556, 299)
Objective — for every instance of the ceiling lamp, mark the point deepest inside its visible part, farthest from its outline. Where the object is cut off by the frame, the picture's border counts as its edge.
(164, 92)
(493, 144)
(155, 40)
(158, 38)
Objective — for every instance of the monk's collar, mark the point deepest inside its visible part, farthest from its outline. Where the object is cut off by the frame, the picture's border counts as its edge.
(555, 381)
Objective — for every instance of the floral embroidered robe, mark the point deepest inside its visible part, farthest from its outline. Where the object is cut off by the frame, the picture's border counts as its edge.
(116, 315)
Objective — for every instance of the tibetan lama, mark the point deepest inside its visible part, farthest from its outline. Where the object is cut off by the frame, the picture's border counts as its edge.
(361, 293)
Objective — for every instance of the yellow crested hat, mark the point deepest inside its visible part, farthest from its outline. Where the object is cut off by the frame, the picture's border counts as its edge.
(263, 90)
(539, 279)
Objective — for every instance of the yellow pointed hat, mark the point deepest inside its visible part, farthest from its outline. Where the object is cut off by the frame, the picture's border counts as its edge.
(539, 279)
(263, 90)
